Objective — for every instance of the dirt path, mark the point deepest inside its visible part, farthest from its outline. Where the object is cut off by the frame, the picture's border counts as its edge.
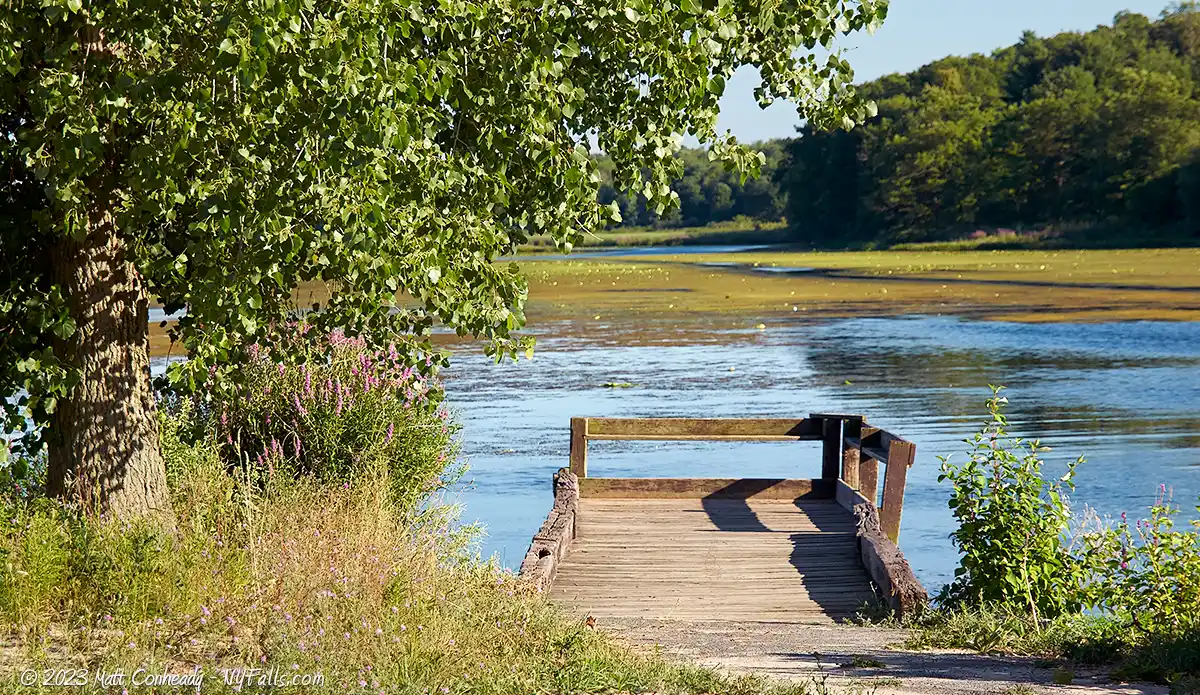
(858, 659)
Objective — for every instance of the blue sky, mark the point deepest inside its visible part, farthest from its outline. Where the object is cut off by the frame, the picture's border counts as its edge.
(921, 31)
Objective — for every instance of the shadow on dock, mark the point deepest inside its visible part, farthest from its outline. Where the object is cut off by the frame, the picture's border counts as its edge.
(823, 537)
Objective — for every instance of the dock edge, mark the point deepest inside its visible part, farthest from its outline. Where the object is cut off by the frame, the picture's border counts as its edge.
(881, 557)
(551, 542)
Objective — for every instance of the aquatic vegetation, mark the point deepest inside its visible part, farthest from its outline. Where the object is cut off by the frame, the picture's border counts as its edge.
(1033, 286)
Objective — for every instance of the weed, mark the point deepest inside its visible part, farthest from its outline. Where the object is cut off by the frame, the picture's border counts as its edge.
(859, 661)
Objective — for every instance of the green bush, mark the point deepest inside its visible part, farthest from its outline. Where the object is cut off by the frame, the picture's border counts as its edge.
(1023, 581)
(1012, 525)
(1147, 574)
(342, 410)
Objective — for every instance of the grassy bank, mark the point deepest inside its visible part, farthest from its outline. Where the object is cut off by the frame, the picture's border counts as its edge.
(309, 540)
(305, 579)
(1067, 643)
(736, 232)
(1066, 237)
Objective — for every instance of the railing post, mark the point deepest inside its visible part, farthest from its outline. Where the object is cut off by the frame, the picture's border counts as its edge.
(900, 456)
(831, 447)
(579, 446)
(851, 429)
(868, 469)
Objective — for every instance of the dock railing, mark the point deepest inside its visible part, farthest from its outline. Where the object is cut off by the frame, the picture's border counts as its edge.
(851, 451)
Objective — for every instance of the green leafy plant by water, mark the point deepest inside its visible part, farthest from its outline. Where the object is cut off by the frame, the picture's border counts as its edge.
(1012, 524)
(1147, 574)
(1029, 570)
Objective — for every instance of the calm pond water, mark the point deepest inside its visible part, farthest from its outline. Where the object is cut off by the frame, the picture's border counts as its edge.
(1125, 395)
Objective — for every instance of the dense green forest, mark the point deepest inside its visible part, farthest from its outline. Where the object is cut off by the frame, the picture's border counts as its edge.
(1094, 131)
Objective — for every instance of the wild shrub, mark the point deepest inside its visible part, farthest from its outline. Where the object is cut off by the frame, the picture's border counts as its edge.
(1147, 574)
(342, 410)
(1024, 580)
(1012, 524)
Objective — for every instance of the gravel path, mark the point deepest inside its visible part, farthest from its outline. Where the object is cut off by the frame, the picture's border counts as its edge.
(850, 659)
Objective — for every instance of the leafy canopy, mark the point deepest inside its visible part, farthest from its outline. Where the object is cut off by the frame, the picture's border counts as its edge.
(377, 146)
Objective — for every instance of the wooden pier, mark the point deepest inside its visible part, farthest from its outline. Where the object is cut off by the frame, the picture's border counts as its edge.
(735, 549)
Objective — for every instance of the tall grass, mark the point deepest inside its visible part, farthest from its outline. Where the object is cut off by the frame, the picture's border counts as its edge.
(305, 576)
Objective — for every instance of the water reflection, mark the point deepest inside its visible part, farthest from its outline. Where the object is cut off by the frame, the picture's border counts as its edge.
(1125, 395)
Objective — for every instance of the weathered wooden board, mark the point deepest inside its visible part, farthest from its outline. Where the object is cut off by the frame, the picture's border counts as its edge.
(703, 428)
(553, 540)
(695, 488)
(749, 559)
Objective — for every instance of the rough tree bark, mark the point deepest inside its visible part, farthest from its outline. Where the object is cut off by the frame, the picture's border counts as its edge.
(104, 453)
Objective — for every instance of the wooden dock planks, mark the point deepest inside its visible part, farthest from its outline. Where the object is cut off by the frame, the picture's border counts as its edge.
(714, 559)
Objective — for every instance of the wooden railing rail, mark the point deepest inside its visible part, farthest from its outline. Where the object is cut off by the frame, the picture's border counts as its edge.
(851, 450)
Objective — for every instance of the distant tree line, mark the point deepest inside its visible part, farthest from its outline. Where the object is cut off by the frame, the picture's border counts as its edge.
(708, 192)
(1098, 128)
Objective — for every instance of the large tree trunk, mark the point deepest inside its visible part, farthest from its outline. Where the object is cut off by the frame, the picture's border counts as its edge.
(104, 450)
